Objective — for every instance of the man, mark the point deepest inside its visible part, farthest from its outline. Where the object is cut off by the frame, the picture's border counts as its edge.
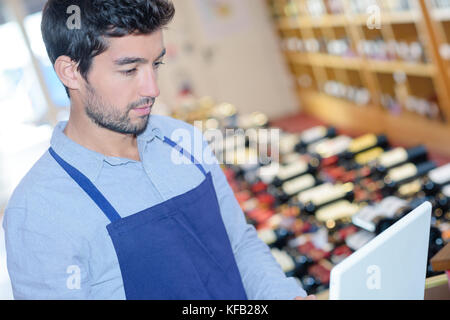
(106, 213)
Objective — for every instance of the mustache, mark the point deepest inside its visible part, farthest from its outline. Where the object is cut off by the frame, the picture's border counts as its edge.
(141, 103)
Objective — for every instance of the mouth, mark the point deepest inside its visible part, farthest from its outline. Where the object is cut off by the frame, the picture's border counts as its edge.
(144, 110)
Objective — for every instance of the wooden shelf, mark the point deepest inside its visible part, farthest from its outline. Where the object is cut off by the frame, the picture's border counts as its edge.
(407, 129)
(342, 20)
(324, 21)
(325, 60)
(410, 68)
(357, 63)
(441, 14)
(401, 17)
(430, 81)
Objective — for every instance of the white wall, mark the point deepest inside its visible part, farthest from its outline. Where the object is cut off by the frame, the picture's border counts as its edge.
(238, 62)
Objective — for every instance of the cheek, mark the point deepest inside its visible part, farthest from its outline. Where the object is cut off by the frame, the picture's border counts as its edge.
(118, 93)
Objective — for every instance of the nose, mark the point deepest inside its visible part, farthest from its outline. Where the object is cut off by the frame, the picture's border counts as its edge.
(149, 85)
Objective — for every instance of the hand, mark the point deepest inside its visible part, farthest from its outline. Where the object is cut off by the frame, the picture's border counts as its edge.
(310, 297)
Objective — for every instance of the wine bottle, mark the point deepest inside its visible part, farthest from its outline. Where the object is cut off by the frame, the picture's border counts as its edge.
(307, 195)
(288, 141)
(363, 143)
(359, 239)
(338, 236)
(321, 271)
(410, 189)
(366, 157)
(294, 170)
(292, 187)
(311, 284)
(399, 156)
(436, 180)
(326, 151)
(292, 262)
(403, 174)
(326, 197)
(267, 173)
(275, 238)
(312, 136)
(383, 222)
(339, 210)
(365, 218)
(436, 243)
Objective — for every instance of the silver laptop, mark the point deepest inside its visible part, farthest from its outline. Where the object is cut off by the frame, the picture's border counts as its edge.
(392, 266)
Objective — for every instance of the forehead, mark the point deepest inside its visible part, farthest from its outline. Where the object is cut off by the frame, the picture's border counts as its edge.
(147, 46)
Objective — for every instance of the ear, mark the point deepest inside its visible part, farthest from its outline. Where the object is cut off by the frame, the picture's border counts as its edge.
(67, 71)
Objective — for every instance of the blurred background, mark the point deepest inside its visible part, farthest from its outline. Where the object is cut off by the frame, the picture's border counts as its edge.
(360, 67)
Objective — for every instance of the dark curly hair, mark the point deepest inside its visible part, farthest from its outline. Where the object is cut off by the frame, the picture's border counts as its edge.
(100, 19)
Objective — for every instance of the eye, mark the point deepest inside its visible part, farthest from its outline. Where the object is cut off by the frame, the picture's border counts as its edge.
(156, 65)
(129, 72)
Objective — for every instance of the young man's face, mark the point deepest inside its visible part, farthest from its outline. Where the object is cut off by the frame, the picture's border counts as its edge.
(122, 83)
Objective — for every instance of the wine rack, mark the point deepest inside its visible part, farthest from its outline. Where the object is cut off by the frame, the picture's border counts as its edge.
(371, 65)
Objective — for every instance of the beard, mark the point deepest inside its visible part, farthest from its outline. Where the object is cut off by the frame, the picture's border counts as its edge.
(112, 118)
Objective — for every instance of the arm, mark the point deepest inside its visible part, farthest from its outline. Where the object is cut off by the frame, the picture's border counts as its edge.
(43, 262)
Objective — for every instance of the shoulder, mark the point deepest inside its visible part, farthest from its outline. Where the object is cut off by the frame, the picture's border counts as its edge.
(45, 202)
(38, 197)
(41, 175)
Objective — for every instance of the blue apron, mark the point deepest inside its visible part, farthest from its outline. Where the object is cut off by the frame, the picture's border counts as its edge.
(178, 249)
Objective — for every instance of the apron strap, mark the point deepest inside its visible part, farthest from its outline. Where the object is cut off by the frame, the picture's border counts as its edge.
(185, 153)
(88, 187)
(92, 190)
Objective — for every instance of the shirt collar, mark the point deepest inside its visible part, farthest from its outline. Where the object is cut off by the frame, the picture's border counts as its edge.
(90, 162)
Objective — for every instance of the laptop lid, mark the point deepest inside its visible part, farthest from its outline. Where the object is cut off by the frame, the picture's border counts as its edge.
(391, 266)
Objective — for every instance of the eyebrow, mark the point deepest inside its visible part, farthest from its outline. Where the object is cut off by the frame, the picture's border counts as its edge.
(132, 60)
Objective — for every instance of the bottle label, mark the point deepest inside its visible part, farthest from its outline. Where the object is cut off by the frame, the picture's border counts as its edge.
(310, 194)
(440, 175)
(291, 157)
(268, 173)
(284, 260)
(313, 134)
(312, 148)
(336, 211)
(338, 191)
(389, 205)
(364, 217)
(368, 156)
(403, 172)
(288, 142)
(386, 208)
(410, 188)
(362, 143)
(446, 191)
(333, 146)
(359, 239)
(267, 235)
(292, 170)
(393, 157)
(275, 221)
(298, 184)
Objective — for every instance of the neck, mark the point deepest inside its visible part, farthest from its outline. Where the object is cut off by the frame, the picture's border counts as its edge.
(93, 137)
